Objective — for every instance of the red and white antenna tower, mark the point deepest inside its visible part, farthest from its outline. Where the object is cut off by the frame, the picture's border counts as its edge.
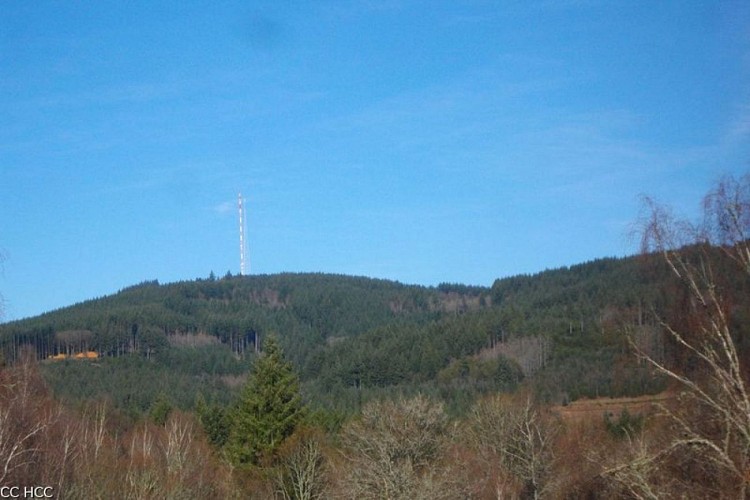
(244, 265)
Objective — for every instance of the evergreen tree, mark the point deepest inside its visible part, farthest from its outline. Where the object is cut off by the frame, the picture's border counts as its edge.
(215, 420)
(269, 409)
(161, 409)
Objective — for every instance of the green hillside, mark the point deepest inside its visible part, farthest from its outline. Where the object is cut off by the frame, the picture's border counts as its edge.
(306, 309)
(563, 332)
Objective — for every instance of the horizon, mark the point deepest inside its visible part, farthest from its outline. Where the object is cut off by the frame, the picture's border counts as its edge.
(412, 141)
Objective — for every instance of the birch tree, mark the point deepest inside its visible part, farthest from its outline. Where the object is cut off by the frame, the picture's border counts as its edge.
(711, 421)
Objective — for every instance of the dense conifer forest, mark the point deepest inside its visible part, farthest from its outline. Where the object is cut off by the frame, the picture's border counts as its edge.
(351, 338)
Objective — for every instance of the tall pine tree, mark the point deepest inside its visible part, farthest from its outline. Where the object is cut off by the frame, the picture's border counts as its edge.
(269, 409)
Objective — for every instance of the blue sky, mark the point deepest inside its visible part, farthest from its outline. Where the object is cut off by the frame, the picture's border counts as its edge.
(421, 141)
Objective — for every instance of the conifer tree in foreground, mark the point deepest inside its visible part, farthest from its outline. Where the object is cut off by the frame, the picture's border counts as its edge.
(269, 409)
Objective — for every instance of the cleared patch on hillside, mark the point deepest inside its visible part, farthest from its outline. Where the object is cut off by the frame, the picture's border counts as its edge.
(530, 352)
(594, 410)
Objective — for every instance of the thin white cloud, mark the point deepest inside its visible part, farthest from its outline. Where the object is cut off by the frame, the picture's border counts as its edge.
(225, 207)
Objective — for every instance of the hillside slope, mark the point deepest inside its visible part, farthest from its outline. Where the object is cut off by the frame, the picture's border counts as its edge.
(304, 308)
(561, 331)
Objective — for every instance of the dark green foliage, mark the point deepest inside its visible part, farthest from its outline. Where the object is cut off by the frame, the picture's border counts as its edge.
(134, 383)
(211, 360)
(269, 408)
(402, 352)
(328, 420)
(215, 420)
(152, 341)
(483, 376)
(160, 410)
(626, 425)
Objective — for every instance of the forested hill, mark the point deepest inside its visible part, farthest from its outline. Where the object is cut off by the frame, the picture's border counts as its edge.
(305, 309)
(563, 332)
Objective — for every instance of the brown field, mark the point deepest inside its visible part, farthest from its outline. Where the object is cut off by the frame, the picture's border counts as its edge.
(594, 409)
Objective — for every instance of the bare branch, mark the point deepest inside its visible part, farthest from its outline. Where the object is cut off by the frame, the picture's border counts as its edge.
(717, 418)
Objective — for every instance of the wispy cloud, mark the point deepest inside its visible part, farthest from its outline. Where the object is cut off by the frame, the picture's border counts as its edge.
(225, 207)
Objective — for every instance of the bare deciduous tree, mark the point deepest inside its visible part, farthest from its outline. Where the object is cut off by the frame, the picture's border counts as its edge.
(17, 448)
(515, 433)
(179, 438)
(301, 471)
(25, 418)
(394, 451)
(712, 420)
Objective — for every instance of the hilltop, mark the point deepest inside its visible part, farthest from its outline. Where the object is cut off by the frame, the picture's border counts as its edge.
(236, 311)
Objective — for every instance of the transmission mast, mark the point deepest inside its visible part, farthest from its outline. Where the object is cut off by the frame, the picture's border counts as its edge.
(243, 245)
